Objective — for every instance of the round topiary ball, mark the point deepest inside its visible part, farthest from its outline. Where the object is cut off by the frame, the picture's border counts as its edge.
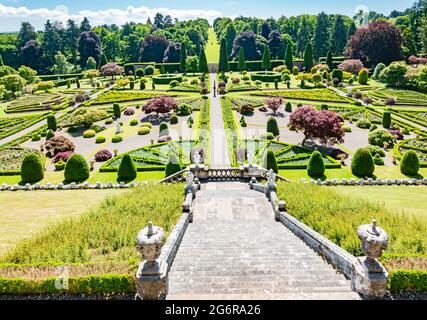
(32, 169)
(100, 139)
(270, 162)
(116, 139)
(89, 134)
(36, 137)
(174, 119)
(410, 164)
(143, 131)
(133, 122)
(146, 124)
(76, 169)
(379, 136)
(127, 170)
(362, 164)
(316, 166)
(163, 129)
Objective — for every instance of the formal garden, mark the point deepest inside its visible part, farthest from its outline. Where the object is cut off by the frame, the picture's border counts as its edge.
(308, 108)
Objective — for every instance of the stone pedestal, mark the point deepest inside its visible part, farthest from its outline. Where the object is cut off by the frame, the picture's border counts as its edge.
(370, 277)
(151, 277)
(200, 171)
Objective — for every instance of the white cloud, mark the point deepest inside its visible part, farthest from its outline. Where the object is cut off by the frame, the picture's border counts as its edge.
(11, 17)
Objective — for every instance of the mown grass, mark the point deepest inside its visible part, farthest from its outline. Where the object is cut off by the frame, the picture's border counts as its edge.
(338, 217)
(106, 233)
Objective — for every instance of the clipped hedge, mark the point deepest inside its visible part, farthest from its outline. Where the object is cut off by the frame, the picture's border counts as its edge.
(76, 169)
(88, 285)
(266, 77)
(166, 79)
(407, 280)
(127, 170)
(32, 169)
(254, 65)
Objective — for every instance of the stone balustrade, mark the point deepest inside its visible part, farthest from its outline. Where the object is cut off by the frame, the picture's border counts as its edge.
(71, 186)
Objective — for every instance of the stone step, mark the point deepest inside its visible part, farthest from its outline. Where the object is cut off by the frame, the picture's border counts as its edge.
(247, 295)
(232, 272)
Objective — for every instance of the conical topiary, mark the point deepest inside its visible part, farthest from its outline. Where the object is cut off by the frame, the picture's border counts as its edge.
(173, 166)
(272, 126)
(270, 162)
(288, 107)
(51, 123)
(32, 169)
(127, 170)
(410, 164)
(362, 164)
(316, 166)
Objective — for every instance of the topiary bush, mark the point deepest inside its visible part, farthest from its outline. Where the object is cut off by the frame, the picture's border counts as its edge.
(363, 76)
(60, 165)
(362, 164)
(185, 110)
(174, 119)
(116, 139)
(32, 169)
(373, 127)
(141, 85)
(378, 160)
(272, 126)
(316, 165)
(386, 119)
(100, 139)
(288, 107)
(49, 134)
(103, 155)
(127, 170)
(379, 136)
(143, 131)
(173, 166)
(116, 110)
(129, 112)
(76, 169)
(35, 137)
(134, 122)
(270, 162)
(149, 70)
(337, 74)
(410, 164)
(146, 124)
(51, 123)
(375, 150)
(347, 128)
(163, 129)
(363, 123)
(89, 134)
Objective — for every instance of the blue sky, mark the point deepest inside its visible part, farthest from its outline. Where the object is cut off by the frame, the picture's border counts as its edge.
(12, 12)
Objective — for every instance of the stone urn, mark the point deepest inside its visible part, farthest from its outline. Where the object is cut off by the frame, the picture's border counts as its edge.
(370, 276)
(151, 277)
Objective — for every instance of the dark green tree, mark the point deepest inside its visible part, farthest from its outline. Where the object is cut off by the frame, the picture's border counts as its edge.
(230, 35)
(362, 164)
(410, 164)
(76, 169)
(330, 60)
(173, 166)
(183, 57)
(289, 57)
(1, 61)
(203, 62)
(308, 57)
(51, 123)
(242, 60)
(26, 33)
(272, 126)
(304, 35)
(351, 30)
(116, 110)
(386, 119)
(72, 35)
(316, 165)
(266, 59)
(223, 58)
(339, 36)
(321, 36)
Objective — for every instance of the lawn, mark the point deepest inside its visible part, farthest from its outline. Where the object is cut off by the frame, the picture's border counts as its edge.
(103, 233)
(407, 199)
(24, 214)
(212, 47)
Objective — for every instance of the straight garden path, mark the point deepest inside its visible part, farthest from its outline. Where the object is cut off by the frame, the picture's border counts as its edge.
(219, 152)
(234, 249)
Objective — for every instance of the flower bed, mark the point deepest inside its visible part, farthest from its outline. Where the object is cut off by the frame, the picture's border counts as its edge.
(113, 96)
(11, 159)
(312, 94)
(418, 145)
(12, 125)
(39, 102)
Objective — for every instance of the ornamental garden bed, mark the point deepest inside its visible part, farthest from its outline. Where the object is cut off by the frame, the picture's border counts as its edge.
(268, 76)
(11, 159)
(418, 145)
(166, 78)
(39, 102)
(113, 96)
(312, 94)
(402, 96)
(12, 125)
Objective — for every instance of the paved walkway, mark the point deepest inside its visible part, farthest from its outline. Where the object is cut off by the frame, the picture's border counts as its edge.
(219, 153)
(235, 249)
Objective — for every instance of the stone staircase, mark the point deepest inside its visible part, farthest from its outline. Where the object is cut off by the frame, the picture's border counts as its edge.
(235, 250)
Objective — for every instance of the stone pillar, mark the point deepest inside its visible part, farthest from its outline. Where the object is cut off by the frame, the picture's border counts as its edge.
(151, 277)
(370, 277)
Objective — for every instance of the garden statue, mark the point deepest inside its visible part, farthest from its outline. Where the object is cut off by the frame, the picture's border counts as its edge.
(118, 127)
(271, 180)
(197, 158)
(189, 178)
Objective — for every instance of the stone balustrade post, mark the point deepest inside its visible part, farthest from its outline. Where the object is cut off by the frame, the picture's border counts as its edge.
(151, 277)
(370, 277)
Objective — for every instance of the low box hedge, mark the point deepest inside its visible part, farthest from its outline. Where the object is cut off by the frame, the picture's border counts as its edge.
(10, 173)
(55, 77)
(407, 280)
(266, 77)
(88, 285)
(139, 169)
(166, 79)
